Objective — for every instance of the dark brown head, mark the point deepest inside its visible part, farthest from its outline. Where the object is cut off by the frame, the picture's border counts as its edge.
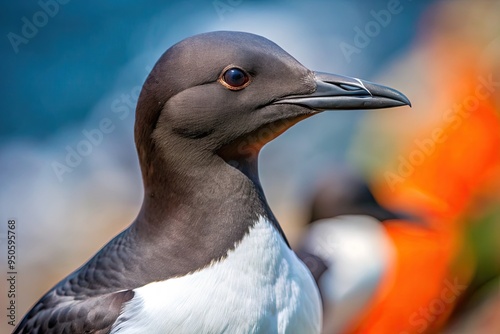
(226, 94)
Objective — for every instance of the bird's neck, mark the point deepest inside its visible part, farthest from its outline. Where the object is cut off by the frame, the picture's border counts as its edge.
(203, 200)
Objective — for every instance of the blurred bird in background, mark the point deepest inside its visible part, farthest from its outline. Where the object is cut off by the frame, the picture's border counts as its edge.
(346, 246)
(378, 274)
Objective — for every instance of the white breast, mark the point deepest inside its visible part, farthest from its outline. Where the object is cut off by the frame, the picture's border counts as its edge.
(260, 287)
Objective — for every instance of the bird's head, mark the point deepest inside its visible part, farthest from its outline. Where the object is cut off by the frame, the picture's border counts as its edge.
(229, 93)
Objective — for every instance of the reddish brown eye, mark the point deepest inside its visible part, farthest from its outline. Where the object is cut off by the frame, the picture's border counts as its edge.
(235, 78)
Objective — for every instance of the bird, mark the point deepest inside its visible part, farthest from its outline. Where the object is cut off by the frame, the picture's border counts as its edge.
(205, 253)
(374, 261)
(346, 246)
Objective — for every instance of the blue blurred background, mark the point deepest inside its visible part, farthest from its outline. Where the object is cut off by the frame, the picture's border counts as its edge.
(86, 62)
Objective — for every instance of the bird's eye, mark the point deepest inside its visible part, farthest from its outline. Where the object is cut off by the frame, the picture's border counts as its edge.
(234, 78)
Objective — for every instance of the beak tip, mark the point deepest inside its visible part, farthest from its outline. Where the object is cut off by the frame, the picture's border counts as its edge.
(408, 102)
(404, 98)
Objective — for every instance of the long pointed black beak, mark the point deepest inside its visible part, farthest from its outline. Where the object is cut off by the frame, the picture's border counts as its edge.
(336, 92)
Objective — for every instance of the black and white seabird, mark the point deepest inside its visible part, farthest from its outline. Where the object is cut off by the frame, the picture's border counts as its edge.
(346, 246)
(205, 253)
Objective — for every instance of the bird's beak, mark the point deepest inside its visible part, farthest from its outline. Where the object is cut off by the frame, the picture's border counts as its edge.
(334, 92)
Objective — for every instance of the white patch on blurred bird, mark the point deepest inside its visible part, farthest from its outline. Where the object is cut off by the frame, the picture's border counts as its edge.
(358, 252)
